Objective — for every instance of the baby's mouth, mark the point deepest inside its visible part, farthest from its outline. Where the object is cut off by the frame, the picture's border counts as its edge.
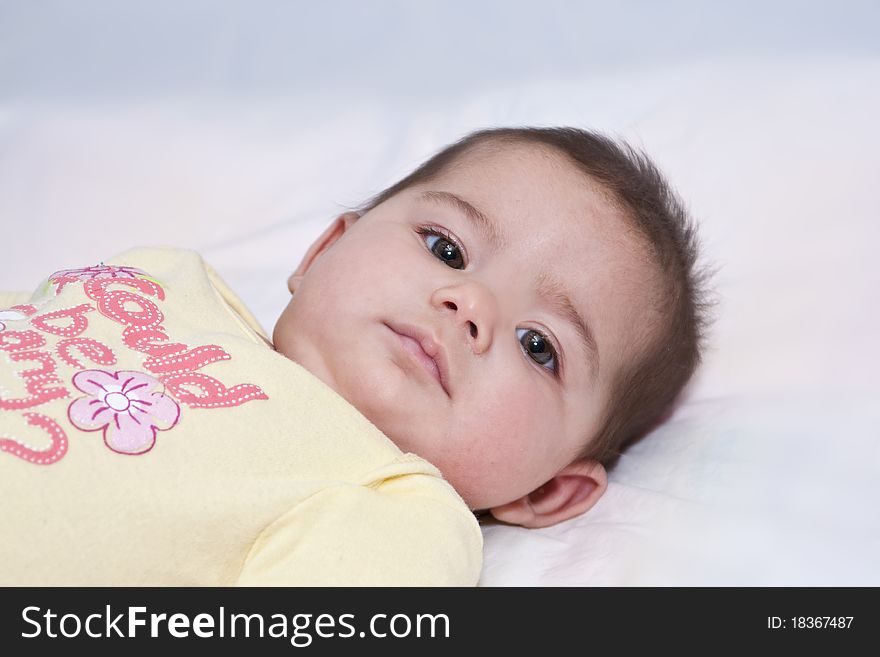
(424, 359)
(417, 353)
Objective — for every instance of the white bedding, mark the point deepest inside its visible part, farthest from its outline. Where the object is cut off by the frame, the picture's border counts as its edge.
(766, 475)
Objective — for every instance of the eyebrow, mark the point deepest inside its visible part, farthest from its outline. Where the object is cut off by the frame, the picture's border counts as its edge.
(555, 293)
(486, 225)
(548, 287)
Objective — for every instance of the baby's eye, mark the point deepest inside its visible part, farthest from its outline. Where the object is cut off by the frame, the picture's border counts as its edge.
(443, 246)
(538, 347)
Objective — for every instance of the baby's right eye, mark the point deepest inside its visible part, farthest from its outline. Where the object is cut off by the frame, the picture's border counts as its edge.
(443, 245)
(539, 348)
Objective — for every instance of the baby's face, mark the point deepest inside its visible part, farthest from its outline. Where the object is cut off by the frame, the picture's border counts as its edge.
(520, 390)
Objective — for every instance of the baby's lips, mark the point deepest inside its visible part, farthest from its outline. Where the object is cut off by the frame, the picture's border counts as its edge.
(425, 350)
(416, 350)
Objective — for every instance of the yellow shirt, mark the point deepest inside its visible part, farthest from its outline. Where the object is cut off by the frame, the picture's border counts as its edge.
(151, 436)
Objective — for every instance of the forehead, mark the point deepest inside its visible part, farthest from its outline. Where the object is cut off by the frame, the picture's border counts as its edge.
(528, 183)
(556, 212)
(517, 163)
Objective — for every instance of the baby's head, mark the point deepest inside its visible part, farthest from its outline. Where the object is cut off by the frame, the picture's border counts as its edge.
(550, 275)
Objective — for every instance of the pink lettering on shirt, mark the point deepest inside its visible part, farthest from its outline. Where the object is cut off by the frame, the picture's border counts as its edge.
(78, 324)
(145, 339)
(213, 393)
(56, 449)
(35, 379)
(96, 288)
(187, 361)
(89, 348)
(25, 308)
(20, 340)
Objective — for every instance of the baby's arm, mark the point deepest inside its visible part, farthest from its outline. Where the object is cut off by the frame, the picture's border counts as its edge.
(350, 535)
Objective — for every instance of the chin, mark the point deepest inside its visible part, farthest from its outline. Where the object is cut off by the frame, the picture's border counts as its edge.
(376, 395)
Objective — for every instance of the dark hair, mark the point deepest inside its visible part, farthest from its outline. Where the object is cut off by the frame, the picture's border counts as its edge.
(645, 390)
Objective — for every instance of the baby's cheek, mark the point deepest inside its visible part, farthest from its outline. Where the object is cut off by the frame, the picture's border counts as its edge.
(526, 422)
(505, 420)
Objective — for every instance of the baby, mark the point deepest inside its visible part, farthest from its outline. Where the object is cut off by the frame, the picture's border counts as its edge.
(487, 335)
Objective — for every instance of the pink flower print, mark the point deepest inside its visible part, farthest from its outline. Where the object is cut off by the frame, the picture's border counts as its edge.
(65, 276)
(100, 271)
(129, 406)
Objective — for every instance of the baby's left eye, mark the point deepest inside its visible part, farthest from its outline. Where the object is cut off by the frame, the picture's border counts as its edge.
(443, 246)
(538, 347)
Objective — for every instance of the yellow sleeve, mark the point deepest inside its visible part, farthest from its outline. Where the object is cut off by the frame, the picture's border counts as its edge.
(9, 299)
(398, 534)
(235, 305)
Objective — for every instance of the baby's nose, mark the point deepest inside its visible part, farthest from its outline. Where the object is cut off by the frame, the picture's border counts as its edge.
(472, 328)
(473, 308)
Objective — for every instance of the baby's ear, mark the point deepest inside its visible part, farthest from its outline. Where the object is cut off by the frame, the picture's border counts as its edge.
(575, 489)
(332, 233)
